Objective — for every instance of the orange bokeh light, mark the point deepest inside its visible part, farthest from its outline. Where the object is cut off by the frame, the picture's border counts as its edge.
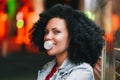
(3, 22)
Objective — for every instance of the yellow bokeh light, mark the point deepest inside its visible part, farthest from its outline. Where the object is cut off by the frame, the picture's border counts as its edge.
(20, 24)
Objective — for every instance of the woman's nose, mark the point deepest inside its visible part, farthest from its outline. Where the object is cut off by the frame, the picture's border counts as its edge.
(48, 37)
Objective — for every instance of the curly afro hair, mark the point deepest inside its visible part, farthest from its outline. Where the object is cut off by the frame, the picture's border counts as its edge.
(86, 38)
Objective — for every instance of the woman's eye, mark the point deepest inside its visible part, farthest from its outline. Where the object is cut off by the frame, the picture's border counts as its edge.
(56, 32)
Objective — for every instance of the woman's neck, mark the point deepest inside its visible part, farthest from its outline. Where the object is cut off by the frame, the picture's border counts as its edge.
(60, 59)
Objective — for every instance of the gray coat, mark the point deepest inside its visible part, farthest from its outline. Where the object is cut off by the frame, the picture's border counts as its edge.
(67, 71)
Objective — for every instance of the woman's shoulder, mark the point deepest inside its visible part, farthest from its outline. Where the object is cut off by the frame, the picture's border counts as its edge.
(46, 69)
(82, 71)
(49, 64)
(84, 66)
(68, 66)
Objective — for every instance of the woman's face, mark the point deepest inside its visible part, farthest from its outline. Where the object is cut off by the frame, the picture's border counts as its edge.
(56, 32)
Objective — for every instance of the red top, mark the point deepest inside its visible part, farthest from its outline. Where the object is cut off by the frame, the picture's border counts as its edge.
(51, 73)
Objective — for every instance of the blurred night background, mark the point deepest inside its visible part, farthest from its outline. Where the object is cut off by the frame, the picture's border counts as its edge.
(19, 60)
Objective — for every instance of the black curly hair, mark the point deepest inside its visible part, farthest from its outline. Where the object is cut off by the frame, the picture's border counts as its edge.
(86, 38)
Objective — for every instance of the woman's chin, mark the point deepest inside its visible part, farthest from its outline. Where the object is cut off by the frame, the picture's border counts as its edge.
(50, 53)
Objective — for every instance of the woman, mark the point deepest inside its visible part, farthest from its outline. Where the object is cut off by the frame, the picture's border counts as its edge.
(74, 40)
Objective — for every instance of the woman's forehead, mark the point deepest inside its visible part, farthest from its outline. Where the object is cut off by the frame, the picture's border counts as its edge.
(56, 23)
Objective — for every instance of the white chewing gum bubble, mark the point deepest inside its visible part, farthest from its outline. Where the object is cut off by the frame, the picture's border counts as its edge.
(48, 45)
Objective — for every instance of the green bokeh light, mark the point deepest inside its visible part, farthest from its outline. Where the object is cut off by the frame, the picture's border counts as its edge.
(11, 7)
(90, 15)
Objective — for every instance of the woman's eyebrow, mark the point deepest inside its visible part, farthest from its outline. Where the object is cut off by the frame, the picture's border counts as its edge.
(54, 28)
